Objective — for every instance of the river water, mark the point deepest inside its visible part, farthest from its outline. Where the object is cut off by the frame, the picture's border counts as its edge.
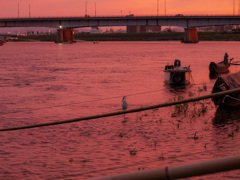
(46, 82)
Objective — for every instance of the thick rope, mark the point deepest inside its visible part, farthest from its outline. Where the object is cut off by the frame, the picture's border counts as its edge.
(96, 100)
(237, 90)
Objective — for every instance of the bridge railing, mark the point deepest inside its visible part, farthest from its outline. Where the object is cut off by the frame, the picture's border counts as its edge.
(127, 15)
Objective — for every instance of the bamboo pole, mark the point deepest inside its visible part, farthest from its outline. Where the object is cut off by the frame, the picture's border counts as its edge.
(237, 90)
(181, 171)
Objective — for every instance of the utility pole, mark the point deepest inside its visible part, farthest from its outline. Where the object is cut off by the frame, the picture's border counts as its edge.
(29, 9)
(157, 7)
(95, 9)
(233, 7)
(18, 10)
(238, 7)
(86, 9)
(165, 7)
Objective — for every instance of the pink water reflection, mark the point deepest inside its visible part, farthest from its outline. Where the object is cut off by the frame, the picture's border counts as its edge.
(45, 82)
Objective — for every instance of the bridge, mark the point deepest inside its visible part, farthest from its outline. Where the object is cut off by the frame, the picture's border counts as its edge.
(66, 24)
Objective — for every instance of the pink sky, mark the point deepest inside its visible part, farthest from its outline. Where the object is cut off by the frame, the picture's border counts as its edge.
(9, 8)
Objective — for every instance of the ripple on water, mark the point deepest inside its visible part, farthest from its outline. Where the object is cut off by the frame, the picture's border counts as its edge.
(50, 84)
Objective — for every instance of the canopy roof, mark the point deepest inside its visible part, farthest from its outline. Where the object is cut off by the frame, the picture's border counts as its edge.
(230, 80)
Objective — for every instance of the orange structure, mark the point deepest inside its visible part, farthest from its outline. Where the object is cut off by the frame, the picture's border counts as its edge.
(191, 35)
(65, 35)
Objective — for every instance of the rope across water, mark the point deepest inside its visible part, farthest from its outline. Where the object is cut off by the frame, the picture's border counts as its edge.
(237, 90)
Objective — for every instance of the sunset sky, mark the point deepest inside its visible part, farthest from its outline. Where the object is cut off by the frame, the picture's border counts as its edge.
(9, 8)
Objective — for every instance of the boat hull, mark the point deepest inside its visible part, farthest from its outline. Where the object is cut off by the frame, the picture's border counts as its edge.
(218, 68)
(177, 76)
(225, 114)
(227, 82)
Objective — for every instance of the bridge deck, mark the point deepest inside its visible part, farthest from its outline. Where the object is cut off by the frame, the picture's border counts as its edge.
(77, 22)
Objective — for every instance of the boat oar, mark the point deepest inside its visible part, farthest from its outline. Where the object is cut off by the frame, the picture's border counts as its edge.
(236, 61)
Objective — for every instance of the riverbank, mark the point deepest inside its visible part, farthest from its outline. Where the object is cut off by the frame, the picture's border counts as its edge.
(162, 36)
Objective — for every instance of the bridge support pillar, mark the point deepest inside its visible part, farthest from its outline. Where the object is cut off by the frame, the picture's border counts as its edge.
(190, 35)
(65, 35)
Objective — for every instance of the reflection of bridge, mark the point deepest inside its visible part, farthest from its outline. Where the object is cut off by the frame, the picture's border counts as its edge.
(63, 23)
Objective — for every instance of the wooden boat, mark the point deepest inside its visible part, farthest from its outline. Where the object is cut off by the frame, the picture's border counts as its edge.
(177, 74)
(227, 82)
(218, 68)
(225, 114)
(221, 67)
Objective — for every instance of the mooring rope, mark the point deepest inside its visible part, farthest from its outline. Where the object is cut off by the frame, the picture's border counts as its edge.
(237, 90)
(227, 96)
(96, 100)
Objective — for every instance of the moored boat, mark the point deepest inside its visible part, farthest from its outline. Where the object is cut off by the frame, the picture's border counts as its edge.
(177, 74)
(1, 42)
(227, 82)
(226, 114)
(220, 67)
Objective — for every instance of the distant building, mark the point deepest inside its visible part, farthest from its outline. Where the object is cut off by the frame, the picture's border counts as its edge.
(153, 29)
(120, 31)
(225, 28)
(75, 31)
(30, 32)
(206, 29)
(111, 31)
(143, 29)
(217, 28)
(95, 30)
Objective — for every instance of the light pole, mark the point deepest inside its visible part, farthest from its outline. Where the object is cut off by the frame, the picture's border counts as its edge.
(95, 9)
(238, 7)
(165, 7)
(29, 9)
(233, 7)
(18, 10)
(85, 8)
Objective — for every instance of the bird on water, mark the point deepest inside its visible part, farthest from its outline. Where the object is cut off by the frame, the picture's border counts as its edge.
(124, 103)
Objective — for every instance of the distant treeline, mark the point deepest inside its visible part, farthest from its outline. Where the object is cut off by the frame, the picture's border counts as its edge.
(162, 36)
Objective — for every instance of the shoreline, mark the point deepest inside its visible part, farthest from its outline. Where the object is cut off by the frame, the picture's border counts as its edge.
(162, 36)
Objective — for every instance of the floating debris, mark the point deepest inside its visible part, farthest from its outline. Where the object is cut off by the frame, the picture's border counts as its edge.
(71, 160)
(133, 152)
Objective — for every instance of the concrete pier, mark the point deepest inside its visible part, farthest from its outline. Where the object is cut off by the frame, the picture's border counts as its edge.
(65, 36)
(190, 35)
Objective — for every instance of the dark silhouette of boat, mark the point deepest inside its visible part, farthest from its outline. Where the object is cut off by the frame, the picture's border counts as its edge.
(227, 82)
(220, 67)
(226, 114)
(1, 42)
